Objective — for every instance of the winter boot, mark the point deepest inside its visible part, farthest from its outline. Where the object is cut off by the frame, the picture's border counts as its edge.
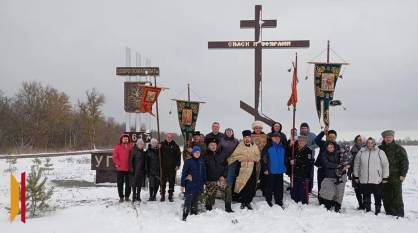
(162, 199)
(185, 213)
(367, 207)
(377, 209)
(337, 207)
(249, 207)
(208, 207)
(121, 200)
(242, 206)
(138, 196)
(327, 204)
(151, 194)
(170, 196)
(270, 203)
(228, 208)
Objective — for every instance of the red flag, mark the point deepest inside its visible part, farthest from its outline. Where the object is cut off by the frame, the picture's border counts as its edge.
(294, 96)
(148, 98)
(23, 197)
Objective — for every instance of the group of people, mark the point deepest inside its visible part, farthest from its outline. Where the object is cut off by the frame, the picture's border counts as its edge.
(220, 163)
(134, 163)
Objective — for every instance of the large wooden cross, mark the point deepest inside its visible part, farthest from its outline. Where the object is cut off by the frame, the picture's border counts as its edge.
(258, 45)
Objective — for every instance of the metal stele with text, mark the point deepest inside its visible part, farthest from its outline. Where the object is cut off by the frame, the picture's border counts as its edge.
(187, 112)
(325, 80)
(137, 71)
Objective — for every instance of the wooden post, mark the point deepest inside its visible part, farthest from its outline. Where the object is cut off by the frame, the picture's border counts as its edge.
(293, 129)
(328, 52)
(158, 136)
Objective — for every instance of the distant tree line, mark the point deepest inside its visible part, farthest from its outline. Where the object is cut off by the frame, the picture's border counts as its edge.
(40, 118)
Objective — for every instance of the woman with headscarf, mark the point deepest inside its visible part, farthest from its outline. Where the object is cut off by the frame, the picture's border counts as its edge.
(333, 185)
(358, 144)
(137, 169)
(153, 169)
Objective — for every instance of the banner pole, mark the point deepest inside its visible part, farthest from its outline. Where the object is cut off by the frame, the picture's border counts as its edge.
(158, 135)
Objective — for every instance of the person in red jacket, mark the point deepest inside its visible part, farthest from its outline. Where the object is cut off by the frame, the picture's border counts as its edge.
(120, 158)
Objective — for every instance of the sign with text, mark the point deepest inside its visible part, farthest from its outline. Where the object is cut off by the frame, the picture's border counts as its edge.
(134, 136)
(102, 161)
(137, 71)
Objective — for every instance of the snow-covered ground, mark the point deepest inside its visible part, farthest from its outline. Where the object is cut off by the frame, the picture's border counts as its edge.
(81, 206)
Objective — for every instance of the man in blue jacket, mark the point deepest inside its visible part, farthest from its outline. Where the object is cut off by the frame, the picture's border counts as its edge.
(274, 166)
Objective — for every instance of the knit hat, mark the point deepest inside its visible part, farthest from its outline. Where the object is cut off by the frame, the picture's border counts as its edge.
(300, 137)
(196, 133)
(276, 134)
(388, 133)
(195, 149)
(246, 133)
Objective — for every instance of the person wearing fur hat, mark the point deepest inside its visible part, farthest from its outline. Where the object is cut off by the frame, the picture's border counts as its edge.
(137, 170)
(248, 155)
(398, 168)
(371, 168)
(153, 169)
(193, 179)
(359, 142)
(216, 173)
(303, 164)
(261, 140)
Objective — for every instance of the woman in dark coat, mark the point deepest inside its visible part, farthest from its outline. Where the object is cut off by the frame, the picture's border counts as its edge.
(137, 169)
(153, 169)
(358, 144)
(333, 185)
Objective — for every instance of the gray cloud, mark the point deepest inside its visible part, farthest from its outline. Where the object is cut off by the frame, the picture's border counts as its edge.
(76, 45)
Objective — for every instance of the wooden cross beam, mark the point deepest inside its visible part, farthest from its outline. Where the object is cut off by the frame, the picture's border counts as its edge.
(258, 44)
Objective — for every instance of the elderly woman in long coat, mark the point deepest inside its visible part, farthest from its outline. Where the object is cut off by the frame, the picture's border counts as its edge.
(248, 154)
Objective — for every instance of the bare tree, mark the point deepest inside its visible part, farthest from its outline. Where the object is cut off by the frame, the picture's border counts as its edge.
(91, 113)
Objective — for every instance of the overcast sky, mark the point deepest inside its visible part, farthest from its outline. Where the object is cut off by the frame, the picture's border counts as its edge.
(76, 45)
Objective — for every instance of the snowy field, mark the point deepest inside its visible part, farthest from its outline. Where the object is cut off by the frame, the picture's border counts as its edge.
(81, 206)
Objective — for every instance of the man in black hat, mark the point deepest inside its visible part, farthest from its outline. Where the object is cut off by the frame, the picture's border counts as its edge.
(187, 152)
(216, 173)
(248, 155)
